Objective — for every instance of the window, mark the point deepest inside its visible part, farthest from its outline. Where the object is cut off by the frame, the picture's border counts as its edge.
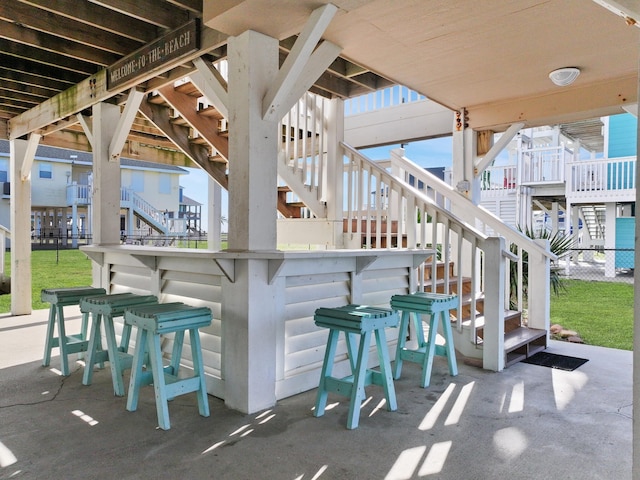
(137, 181)
(4, 171)
(45, 170)
(164, 183)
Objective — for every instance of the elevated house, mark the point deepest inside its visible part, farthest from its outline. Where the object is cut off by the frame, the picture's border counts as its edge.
(61, 197)
(577, 178)
(270, 129)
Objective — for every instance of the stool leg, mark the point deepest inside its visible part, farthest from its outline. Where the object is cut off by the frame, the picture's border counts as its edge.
(352, 349)
(402, 340)
(198, 371)
(176, 352)
(385, 370)
(359, 376)
(114, 358)
(62, 343)
(135, 382)
(50, 342)
(84, 331)
(92, 350)
(449, 346)
(327, 368)
(430, 351)
(155, 359)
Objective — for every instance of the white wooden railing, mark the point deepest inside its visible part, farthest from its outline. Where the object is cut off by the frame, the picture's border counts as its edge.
(478, 266)
(383, 210)
(543, 164)
(78, 194)
(385, 98)
(601, 179)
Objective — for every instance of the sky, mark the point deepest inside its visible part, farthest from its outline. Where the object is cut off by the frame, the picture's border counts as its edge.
(426, 153)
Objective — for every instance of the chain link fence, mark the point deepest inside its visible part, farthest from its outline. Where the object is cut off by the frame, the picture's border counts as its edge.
(600, 264)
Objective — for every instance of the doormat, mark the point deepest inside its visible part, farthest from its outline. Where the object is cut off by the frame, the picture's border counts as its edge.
(553, 360)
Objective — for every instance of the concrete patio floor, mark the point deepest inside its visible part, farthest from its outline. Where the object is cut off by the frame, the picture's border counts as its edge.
(527, 422)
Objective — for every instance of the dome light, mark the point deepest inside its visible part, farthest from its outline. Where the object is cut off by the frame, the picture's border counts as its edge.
(564, 76)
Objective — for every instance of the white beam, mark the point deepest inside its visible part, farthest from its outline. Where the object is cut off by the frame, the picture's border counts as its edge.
(86, 126)
(297, 60)
(497, 147)
(125, 121)
(210, 82)
(30, 153)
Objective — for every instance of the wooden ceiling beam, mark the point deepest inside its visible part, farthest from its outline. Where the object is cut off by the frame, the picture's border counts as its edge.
(29, 80)
(18, 87)
(194, 6)
(51, 43)
(44, 57)
(161, 14)
(66, 28)
(99, 17)
(45, 71)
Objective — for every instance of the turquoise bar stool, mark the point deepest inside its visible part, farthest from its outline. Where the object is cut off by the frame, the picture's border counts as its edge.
(355, 320)
(437, 306)
(103, 309)
(152, 321)
(58, 298)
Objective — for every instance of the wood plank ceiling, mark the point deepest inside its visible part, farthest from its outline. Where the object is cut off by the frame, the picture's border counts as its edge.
(48, 46)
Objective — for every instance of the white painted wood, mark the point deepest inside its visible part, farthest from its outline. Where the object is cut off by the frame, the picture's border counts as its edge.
(610, 240)
(32, 146)
(398, 124)
(214, 214)
(20, 219)
(493, 346)
(134, 99)
(539, 312)
(497, 147)
(253, 143)
(273, 106)
(87, 127)
(212, 85)
(106, 177)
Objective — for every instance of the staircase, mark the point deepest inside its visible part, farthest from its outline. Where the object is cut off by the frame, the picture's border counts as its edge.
(593, 217)
(520, 341)
(153, 217)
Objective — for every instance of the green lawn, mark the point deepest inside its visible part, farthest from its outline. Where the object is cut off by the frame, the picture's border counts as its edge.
(601, 312)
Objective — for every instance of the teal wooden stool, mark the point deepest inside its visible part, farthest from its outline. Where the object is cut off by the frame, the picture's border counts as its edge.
(355, 320)
(437, 306)
(153, 321)
(76, 343)
(108, 307)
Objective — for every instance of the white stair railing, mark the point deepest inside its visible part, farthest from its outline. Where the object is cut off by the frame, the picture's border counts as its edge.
(383, 210)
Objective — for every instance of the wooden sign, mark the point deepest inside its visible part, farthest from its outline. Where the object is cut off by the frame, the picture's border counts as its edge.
(175, 44)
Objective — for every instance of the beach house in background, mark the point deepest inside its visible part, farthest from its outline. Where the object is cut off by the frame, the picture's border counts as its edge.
(152, 203)
(577, 178)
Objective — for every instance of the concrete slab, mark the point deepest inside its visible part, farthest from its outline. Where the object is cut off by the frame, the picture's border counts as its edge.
(528, 422)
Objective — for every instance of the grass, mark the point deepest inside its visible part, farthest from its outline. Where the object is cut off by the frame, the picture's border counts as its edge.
(601, 312)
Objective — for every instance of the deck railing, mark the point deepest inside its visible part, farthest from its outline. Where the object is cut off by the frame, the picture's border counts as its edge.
(385, 211)
(385, 98)
(543, 165)
(602, 178)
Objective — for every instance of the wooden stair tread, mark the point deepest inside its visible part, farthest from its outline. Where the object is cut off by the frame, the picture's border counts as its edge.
(521, 336)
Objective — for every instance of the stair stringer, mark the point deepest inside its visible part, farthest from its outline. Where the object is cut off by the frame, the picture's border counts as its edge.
(307, 194)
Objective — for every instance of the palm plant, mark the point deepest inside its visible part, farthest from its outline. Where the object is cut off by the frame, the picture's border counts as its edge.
(560, 245)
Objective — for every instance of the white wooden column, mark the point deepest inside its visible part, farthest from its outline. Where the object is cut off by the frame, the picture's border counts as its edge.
(20, 158)
(464, 148)
(106, 176)
(610, 240)
(214, 215)
(334, 182)
(253, 143)
(249, 310)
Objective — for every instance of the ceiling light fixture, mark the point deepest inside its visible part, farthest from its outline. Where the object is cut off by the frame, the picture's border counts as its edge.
(564, 76)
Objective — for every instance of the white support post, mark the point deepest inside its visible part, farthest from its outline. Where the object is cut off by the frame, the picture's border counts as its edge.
(334, 181)
(214, 215)
(106, 177)
(250, 307)
(20, 227)
(539, 289)
(493, 357)
(610, 240)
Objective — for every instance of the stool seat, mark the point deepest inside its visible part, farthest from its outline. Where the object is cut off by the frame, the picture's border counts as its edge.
(437, 306)
(108, 307)
(153, 321)
(58, 298)
(355, 320)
